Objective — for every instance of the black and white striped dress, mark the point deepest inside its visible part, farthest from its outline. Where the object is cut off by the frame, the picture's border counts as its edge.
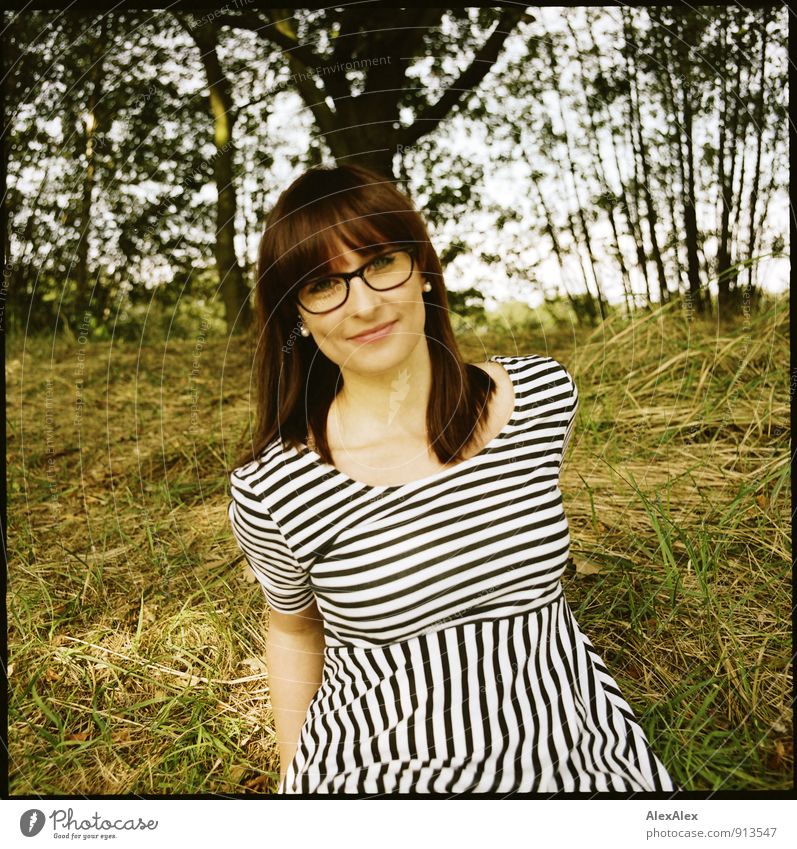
(453, 662)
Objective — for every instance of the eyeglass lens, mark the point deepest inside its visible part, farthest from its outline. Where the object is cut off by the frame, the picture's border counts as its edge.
(384, 272)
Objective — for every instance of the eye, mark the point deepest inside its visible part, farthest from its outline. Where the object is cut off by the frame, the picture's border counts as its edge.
(382, 262)
(321, 286)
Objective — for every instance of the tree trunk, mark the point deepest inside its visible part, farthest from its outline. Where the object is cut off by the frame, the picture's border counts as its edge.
(690, 216)
(759, 124)
(234, 291)
(772, 184)
(652, 218)
(630, 218)
(726, 191)
(550, 229)
(736, 215)
(579, 206)
(94, 110)
(365, 128)
(669, 184)
(677, 145)
(633, 203)
(625, 207)
(600, 173)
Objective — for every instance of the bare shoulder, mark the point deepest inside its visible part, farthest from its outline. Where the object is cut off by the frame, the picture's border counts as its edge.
(498, 373)
(502, 403)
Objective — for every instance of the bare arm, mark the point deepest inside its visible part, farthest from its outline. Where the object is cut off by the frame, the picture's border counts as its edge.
(295, 657)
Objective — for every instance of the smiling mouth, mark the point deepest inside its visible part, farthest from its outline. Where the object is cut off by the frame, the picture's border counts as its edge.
(375, 333)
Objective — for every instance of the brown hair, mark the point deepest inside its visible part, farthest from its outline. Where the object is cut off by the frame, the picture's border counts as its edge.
(296, 383)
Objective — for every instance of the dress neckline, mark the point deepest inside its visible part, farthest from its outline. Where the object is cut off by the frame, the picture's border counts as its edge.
(442, 473)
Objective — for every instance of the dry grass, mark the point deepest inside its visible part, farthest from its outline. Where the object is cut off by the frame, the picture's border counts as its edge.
(136, 633)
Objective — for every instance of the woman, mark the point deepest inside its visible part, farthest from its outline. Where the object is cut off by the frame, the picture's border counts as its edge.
(401, 510)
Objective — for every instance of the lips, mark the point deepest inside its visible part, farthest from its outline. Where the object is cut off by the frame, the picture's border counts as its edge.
(374, 332)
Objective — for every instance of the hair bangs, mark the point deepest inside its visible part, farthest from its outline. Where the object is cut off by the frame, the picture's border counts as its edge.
(323, 221)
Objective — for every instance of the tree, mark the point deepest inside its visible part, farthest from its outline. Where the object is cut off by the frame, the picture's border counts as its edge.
(357, 86)
(92, 121)
(234, 290)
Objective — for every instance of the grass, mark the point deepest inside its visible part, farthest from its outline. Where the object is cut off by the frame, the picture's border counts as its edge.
(137, 632)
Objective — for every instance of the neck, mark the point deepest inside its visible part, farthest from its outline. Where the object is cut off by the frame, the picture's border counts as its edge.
(372, 406)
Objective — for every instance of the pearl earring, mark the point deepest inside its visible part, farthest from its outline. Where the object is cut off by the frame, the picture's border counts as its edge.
(304, 331)
(427, 286)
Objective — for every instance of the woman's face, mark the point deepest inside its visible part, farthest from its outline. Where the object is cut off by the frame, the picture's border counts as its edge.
(364, 310)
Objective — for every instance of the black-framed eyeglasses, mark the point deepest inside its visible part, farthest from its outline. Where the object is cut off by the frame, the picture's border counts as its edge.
(383, 272)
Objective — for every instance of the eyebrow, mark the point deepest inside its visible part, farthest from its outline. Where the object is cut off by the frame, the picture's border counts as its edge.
(375, 252)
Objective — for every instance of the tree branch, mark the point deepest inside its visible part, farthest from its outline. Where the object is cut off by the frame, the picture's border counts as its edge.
(468, 79)
(205, 37)
(402, 45)
(279, 30)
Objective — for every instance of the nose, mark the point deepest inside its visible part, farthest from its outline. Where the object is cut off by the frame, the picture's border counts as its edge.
(361, 296)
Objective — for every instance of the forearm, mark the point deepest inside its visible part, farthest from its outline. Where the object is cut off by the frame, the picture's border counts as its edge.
(295, 661)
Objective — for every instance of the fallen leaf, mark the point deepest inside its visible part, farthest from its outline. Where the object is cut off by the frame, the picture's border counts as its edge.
(80, 736)
(258, 783)
(122, 735)
(586, 567)
(237, 773)
(761, 501)
(777, 757)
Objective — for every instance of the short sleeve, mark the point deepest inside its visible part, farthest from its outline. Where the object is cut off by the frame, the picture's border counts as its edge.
(284, 582)
(571, 410)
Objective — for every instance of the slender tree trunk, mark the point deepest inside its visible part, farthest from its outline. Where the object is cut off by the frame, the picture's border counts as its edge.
(664, 293)
(94, 111)
(632, 223)
(589, 300)
(636, 126)
(669, 183)
(680, 158)
(771, 185)
(726, 190)
(550, 229)
(690, 215)
(234, 291)
(759, 124)
(631, 220)
(736, 215)
(600, 174)
(642, 259)
(587, 239)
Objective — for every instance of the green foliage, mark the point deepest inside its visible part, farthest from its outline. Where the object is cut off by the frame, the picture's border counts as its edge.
(468, 304)
(148, 153)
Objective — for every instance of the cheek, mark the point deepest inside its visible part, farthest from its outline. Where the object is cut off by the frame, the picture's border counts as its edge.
(420, 309)
(325, 335)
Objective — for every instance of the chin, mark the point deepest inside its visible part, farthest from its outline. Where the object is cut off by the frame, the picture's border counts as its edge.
(377, 358)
